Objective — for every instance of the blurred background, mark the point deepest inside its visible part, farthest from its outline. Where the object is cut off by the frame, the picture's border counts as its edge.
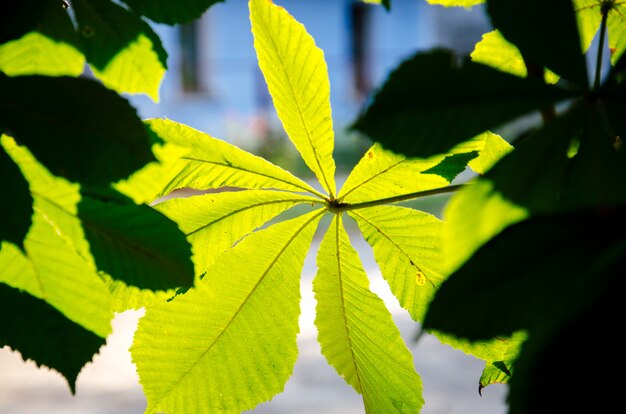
(214, 84)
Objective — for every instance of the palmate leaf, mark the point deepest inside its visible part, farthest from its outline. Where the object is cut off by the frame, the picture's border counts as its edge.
(406, 246)
(123, 50)
(297, 78)
(212, 163)
(41, 333)
(356, 332)
(230, 343)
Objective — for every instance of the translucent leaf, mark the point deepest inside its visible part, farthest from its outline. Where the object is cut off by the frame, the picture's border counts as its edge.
(54, 272)
(589, 13)
(213, 223)
(51, 50)
(297, 77)
(495, 51)
(123, 51)
(616, 27)
(212, 163)
(166, 11)
(132, 243)
(80, 141)
(382, 173)
(499, 370)
(42, 334)
(492, 151)
(356, 332)
(406, 246)
(588, 17)
(230, 343)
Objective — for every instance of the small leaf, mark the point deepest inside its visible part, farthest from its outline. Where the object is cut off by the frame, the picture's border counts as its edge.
(166, 11)
(213, 223)
(212, 163)
(297, 78)
(15, 214)
(123, 50)
(406, 246)
(51, 50)
(42, 334)
(230, 343)
(495, 51)
(356, 332)
(80, 142)
(429, 104)
(554, 28)
(456, 3)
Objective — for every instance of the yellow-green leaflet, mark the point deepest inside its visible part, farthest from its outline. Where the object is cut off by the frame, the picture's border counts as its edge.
(230, 343)
(456, 3)
(495, 51)
(406, 246)
(356, 332)
(213, 223)
(382, 173)
(37, 54)
(297, 78)
(490, 147)
(212, 163)
(589, 14)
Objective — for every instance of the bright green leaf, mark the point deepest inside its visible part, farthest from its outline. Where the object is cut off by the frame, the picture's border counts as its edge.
(554, 28)
(297, 78)
(80, 141)
(589, 13)
(213, 223)
(123, 51)
(492, 151)
(406, 246)
(166, 11)
(16, 212)
(495, 51)
(230, 343)
(40, 333)
(212, 163)
(51, 50)
(616, 26)
(500, 370)
(356, 332)
(429, 103)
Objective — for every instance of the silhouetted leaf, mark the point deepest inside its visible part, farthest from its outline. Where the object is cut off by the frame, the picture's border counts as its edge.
(41, 333)
(536, 274)
(431, 103)
(169, 12)
(66, 123)
(20, 17)
(16, 211)
(546, 33)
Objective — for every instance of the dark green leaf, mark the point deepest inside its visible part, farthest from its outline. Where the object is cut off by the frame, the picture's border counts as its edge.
(545, 32)
(17, 206)
(430, 103)
(569, 163)
(171, 12)
(452, 165)
(534, 275)
(20, 17)
(67, 124)
(135, 243)
(41, 333)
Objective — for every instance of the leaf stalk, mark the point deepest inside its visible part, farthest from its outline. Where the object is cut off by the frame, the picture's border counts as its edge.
(606, 6)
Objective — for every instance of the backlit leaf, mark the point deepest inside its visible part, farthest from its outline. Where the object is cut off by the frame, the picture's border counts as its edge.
(123, 51)
(297, 78)
(356, 332)
(229, 343)
(212, 163)
(456, 3)
(407, 245)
